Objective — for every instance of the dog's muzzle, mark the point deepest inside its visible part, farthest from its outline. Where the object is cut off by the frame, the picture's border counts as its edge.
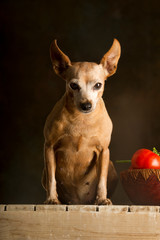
(86, 106)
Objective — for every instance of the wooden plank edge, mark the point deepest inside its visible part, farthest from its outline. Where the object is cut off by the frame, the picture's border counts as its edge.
(81, 208)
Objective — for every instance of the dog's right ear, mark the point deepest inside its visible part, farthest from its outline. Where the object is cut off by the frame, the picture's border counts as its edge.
(60, 61)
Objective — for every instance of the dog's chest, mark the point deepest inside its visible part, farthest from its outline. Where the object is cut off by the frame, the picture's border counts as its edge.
(74, 156)
(78, 135)
(82, 134)
(76, 144)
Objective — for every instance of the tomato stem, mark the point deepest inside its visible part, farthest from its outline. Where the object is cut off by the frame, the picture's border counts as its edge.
(156, 152)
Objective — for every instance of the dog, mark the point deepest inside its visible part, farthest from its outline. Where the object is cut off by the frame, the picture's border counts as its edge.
(78, 131)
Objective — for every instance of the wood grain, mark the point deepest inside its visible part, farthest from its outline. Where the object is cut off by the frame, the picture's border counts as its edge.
(46, 222)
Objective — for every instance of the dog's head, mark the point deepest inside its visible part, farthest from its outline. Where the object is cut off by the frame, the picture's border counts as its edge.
(85, 80)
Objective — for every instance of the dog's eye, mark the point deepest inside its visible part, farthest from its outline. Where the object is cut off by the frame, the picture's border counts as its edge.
(74, 86)
(97, 86)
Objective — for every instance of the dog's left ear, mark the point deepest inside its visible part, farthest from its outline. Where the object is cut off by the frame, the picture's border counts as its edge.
(60, 61)
(110, 59)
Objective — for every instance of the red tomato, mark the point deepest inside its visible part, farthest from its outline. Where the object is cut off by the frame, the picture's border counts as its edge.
(144, 158)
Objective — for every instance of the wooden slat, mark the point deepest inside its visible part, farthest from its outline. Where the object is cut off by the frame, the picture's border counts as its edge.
(142, 209)
(16, 207)
(113, 209)
(50, 207)
(41, 222)
(82, 208)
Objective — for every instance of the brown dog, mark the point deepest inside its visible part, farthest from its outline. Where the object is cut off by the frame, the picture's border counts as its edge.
(78, 132)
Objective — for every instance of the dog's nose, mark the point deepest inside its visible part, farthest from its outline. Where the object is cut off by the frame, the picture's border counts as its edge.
(86, 106)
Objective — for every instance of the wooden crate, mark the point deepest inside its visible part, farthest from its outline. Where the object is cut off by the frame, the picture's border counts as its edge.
(87, 222)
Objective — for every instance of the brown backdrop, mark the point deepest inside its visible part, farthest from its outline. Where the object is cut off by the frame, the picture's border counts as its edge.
(29, 89)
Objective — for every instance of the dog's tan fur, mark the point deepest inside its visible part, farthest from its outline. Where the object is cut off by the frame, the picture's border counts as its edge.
(77, 166)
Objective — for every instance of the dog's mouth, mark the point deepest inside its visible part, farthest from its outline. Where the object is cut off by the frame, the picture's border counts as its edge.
(85, 111)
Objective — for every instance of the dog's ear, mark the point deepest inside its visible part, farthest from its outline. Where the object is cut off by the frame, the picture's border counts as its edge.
(60, 61)
(110, 59)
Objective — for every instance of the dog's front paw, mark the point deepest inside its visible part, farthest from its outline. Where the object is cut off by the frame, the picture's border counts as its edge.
(54, 201)
(103, 201)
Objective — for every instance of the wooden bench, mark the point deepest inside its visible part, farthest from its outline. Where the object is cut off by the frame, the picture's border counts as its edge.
(87, 222)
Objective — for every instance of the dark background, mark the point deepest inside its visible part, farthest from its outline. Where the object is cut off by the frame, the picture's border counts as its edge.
(29, 88)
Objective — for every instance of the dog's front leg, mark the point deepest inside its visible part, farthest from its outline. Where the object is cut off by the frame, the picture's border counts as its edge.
(103, 166)
(50, 166)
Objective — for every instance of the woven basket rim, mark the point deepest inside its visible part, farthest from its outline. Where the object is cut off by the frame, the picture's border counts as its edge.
(145, 173)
